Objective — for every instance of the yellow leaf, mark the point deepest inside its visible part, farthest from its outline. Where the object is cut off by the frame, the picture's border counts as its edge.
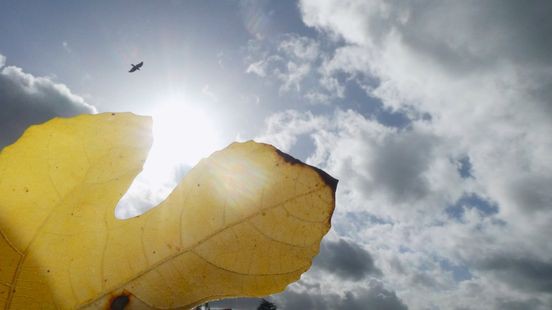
(247, 221)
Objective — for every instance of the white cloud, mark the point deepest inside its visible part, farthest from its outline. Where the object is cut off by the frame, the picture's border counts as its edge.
(300, 47)
(66, 47)
(295, 63)
(27, 100)
(483, 93)
(283, 129)
(394, 191)
(293, 75)
(257, 68)
(480, 72)
(411, 172)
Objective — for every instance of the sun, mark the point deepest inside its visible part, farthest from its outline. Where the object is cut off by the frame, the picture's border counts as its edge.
(183, 134)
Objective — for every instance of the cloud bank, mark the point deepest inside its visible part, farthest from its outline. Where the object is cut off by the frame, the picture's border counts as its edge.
(26, 100)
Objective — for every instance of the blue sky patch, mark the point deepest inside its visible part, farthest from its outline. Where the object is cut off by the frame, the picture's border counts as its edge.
(486, 207)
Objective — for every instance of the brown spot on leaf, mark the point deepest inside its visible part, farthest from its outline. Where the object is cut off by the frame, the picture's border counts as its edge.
(119, 302)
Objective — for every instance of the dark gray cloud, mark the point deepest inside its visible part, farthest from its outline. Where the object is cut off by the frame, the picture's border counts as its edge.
(522, 273)
(376, 297)
(26, 100)
(504, 28)
(424, 280)
(532, 192)
(294, 300)
(531, 303)
(345, 259)
(399, 164)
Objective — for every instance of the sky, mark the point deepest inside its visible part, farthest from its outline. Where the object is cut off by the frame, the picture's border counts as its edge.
(435, 116)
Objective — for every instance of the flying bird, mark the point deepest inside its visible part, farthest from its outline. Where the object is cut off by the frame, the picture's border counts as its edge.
(136, 67)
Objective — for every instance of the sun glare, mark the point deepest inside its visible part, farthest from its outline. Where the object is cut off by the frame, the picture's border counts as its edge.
(182, 135)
